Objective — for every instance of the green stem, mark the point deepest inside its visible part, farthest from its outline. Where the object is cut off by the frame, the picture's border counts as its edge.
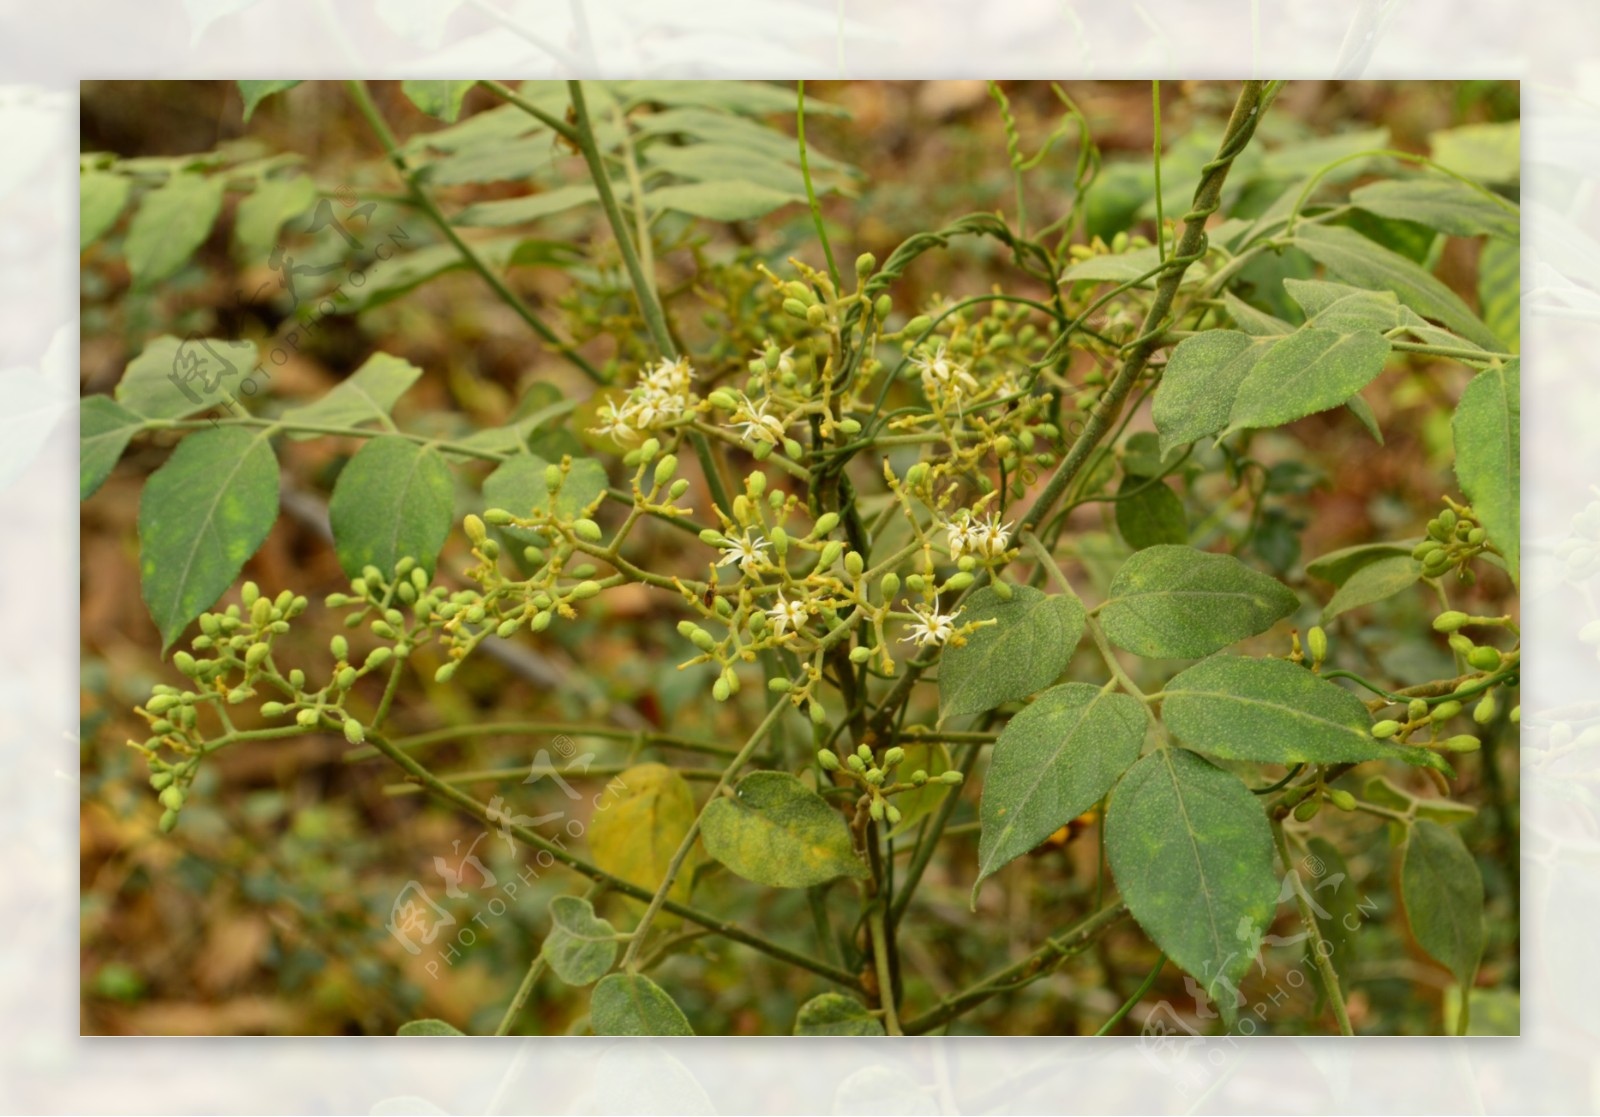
(540, 728)
(880, 961)
(1138, 995)
(811, 191)
(1320, 949)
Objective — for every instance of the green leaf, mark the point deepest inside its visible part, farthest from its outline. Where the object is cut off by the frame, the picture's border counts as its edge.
(1178, 602)
(101, 197)
(1311, 370)
(426, 1027)
(496, 160)
(919, 802)
(520, 211)
(393, 499)
(1374, 582)
(262, 215)
(748, 98)
(201, 516)
(1142, 456)
(1257, 323)
(1338, 566)
(440, 99)
(1121, 267)
(1364, 414)
(516, 436)
(581, 946)
(1443, 894)
(725, 200)
(720, 127)
(834, 1014)
(633, 1005)
(636, 836)
(157, 383)
(254, 92)
(716, 162)
(778, 832)
(1500, 290)
(1446, 204)
(517, 485)
(1028, 646)
(171, 222)
(1338, 306)
(1445, 811)
(1275, 712)
(1488, 437)
(104, 430)
(1354, 259)
(367, 396)
(1192, 855)
(1149, 513)
(1488, 152)
(1203, 376)
(1053, 761)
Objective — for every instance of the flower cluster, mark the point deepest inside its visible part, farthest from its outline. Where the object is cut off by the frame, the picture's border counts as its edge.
(663, 394)
(985, 536)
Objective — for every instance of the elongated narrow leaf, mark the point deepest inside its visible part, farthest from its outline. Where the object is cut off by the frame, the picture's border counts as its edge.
(254, 92)
(520, 211)
(1440, 203)
(1374, 582)
(1353, 258)
(440, 99)
(1192, 855)
(393, 499)
(1488, 437)
(428, 1028)
(1203, 376)
(1500, 290)
(1028, 646)
(1487, 152)
(1338, 566)
(580, 946)
(1256, 323)
(101, 197)
(104, 430)
(201, 516)
(1053, 761)
(368, 396)
(633, 1005)
(1177, 602)
(834, 1014)
(723, 200)
(262, 216)
(171, 222)
(714, 162)
(778, 832)
(173, 378)
(1311, 370)
(1276, 712)
(1150, 513)
(648, 810)
(1443, 894)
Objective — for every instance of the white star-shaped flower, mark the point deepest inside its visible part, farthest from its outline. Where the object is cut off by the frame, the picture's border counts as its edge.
(931, 626)
(754, 422)
(989, 535)
(744, 550)
(786, 615)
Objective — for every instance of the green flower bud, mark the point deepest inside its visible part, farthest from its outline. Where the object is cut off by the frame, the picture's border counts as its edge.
(779, 685)
(209, 625)
(1342, 799)
(255, 654)
(915, 582)
(875, 809)
(552, 476)
(297, 679)
(540, 621)
(951, 777)
(893, 757)
(720, 689)
(882, 307)
(583, 570)
(586, 530)
(1306, 811)
(855, 763)
(340, 647)
(585, 590)
(866, 264)
(1476, 536)
(1464, 743)
(1484, 713)
(828, 760)
(959, 580)
(261, 613)
(860, 654)
(1484, 658)
(917, 474)
(1449, 621)
(713, 538)
(918, 326)
(919, 777)
(1417, 710)
(345, 679)
(443, 675)
(874, 777)
(358, 586)
(723, 399)
(508, 627)
(475, 529)
(378, 657)
(1317, 643)
(816, 316)
(306, 718)
(273, 709)
(892, 813)
(499, 517)
(665, 468)
(1515, 715)
(169, 819)
(250, 593)
(795, 308)
(889, 586)
(161, 703)
(830, 555)
(825, 524)
(1386, 728)
(353, 732)
(679, 487)
(818, 714)
(1444, 711)
(1461, 644)
(1002, 589)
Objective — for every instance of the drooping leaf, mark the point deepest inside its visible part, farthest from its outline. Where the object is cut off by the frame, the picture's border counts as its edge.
(1338, 566)
(1488, 437)
(1374, 582)
(520, 211)
(1149, 513)
(104, 430)
(1275, 712)
(778, 832)
(254, 92)
(581, 946)
(834, 1014)
(723, 200)
(394, 498)
(441, 99)
(171, 222)
(262, 216)
(633, 1005)
(1443, 894)
(1177, 602)
(1500, 290)
(428, 1027)
(1203, 375)
(636, 837)
(1354, 259)
(173, 378)
(1030, 643)
(1192, 855)
(1311, 370)
(1364, 414)
(1446, 204)
(1053, 761)
(201, 516)
(368, 395)
(1487, 152)
(517, 485)
(101, 197)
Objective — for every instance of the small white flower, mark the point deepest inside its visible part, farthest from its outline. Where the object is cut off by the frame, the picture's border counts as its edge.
(744, 550)
(618, 422)
(787, 614)
(958, 534)
(989, 535)
(754, 422)
(931, 626)
(942, 374)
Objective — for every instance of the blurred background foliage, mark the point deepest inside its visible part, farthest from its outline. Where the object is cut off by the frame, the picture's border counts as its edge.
(266, 911)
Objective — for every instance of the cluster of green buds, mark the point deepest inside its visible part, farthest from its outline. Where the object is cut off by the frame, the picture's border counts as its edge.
(1455, 538)
(1495, 672)
(863, 769)
(1306, 799)
(1420, 715)
(1580, 551)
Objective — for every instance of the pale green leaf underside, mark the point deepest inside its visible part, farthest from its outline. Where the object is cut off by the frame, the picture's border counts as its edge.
(171, 222)
(104, 430)
(1445, 204)
(581, 946)
(261, 216)
(153, 383)
(778, 832)
(101, 197)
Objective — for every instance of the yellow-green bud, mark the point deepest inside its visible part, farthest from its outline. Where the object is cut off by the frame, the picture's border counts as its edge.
(1317, 643)
(890, 585)
(818, 714)
(1464, 743)
(723, 399)
(1417, 710)
(779, 685)
(249, 593)
(585, 590)
(1444, 711)
(893, 757)
(445, 672)
(340, 647)
(378, 657)
(261, 613)
(552, 476)
(875, 809)
(882, 307)
(795, 308)
(1306, 811)
(918, 325)
(1484, 713)
(586, 530)
(499, 517)
(273, 709)
(508, 627)
(1484, 658)
(345, 679)
(779, 540)
(1342, 799)
(665, 468)
(255, 654)
(951, 777)
(306, 718)
(866, 264)
(830, 555)
(860, 654)
(720, 689)
(353, 731)
(959, 580)
(169, 819)
(702, 639)
(540, 621)
(475, 529)
(828, 760)
(854, 564)
(825, 523)
(1386, 728)
(1449, 621)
